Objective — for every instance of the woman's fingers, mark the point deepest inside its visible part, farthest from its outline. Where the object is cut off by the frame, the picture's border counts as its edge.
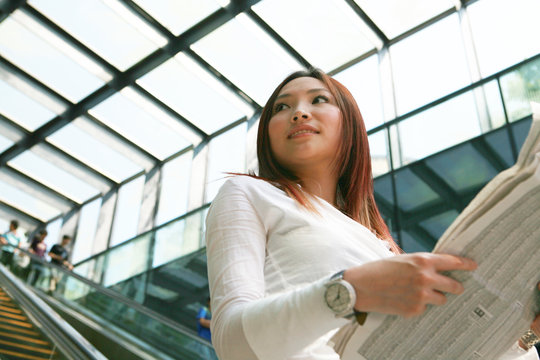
(406, 284)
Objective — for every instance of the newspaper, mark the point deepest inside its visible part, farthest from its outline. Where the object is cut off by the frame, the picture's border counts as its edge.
(500, 230)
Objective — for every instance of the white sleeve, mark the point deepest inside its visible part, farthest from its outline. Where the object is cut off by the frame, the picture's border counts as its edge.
(246, 324)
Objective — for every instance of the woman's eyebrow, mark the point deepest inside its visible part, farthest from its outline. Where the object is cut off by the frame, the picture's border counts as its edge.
(309, 91)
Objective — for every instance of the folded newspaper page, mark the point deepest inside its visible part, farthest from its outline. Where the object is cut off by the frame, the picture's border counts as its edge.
(500, 230)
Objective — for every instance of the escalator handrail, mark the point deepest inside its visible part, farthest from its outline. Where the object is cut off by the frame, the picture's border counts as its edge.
(118, 297)
(72, 344)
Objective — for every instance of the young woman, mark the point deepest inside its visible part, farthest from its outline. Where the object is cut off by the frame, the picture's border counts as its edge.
(296, 252)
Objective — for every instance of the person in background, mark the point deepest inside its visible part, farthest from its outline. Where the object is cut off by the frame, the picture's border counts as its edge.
(38, 248)
(59, 256)
(204, 317)
(11, 241)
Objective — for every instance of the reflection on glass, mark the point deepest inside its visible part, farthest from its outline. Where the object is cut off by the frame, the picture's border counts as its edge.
(199, 101)
(175, 175)
(53, 176)
(168, 244)
(21, 109)
(508, 35)
(225, 49)
(86, 229)
(326, 34)
(411, 191)
(493, 102)
(519, 88)
(463, 168)
(126, 214)
(363, 82)
(227, 153)
(115, 39)
(429, 64)
(93, 152)
(394, 17)
(438, 128)
(380, 162)
(118, 269)
(127, 118)
(178, 15)
(19, 199)
(438, 224)
(411, 243)
(58, 71)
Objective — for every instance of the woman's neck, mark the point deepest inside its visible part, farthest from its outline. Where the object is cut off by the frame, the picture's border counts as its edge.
(323, 185)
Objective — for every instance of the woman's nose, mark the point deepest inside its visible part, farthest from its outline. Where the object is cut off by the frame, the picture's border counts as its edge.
(300, 114)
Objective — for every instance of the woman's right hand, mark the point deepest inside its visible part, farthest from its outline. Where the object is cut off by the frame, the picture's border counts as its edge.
(405, 284)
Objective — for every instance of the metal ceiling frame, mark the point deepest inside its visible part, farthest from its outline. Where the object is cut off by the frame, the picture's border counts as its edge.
(182, 43)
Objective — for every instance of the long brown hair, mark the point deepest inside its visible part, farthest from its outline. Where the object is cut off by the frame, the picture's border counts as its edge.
(355, 183)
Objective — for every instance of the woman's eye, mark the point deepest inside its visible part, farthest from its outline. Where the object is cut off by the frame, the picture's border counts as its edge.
(279, 107)
(320, 99)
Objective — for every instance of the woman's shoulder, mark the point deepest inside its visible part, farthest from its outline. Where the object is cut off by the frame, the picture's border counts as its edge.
(245, 183)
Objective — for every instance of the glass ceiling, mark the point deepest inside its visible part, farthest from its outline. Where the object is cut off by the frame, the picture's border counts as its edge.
(95, 93)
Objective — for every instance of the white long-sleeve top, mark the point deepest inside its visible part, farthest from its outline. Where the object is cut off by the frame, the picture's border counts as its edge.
(268, 261)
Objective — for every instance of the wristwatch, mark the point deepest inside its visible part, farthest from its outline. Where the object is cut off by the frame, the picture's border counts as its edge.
(340, 296)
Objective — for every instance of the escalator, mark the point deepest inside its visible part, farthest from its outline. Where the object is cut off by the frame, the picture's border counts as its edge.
(19, 337)
(118, 327)
(29, 329)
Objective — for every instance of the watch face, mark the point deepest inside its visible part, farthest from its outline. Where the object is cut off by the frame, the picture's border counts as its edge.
(338, 297)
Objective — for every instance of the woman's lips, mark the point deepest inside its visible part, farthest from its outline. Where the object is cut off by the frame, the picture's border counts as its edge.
(302, 130)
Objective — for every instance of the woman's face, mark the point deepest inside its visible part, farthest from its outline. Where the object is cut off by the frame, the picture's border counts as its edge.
(305, 127)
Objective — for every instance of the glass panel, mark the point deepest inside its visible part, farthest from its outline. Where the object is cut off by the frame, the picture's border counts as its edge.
(226, 49)
(132, 121)
(113, 313)
(383, 188)
(4, 143)
(380, 162)
(227, 153)
(195, 95)
(119, 38)
(13, 196)
(462, 168)
(429, 64)
(86, 230)
(53, 177)
(520, 130)
(411, 191)
(326, 20)
(499, 142)
(119, 269)
(126, 214)
(54, 68)
(438, 224)
(174, 191)
(363, 82)
(438, 128)
(21, 109)
(494, 105)
(394, 17)
(519, 88)
(53, 234)
(412, 244)
(508, 35)
(93, 152)
(178, 15)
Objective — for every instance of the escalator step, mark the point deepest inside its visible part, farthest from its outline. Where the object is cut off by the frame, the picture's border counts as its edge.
(19, 330)
(15, 355)
(21, 348)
